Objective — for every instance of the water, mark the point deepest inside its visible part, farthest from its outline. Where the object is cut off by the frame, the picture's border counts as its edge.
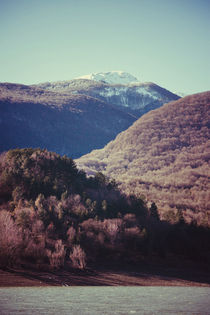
(105, 300)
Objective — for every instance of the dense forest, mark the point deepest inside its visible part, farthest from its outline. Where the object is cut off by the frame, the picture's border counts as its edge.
(53, 216)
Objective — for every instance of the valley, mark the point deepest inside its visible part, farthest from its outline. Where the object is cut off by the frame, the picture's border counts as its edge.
(141, 196)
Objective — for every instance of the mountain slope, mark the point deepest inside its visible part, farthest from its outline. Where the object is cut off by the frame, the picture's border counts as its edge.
(74, 117)
(164, 155)
(117, 88)
(64, 123)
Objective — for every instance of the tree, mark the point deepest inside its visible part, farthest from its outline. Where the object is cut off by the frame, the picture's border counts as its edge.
(57, 258)
(154, 211)
(78, 257)
(104, 205)
(10, 240)
(180, 216)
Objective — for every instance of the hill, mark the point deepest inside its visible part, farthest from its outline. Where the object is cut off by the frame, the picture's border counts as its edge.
(164, 156)
(53, 216)
(74, 117)
(65, 123)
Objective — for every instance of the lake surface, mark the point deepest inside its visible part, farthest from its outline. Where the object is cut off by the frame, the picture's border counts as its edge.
(105, 300)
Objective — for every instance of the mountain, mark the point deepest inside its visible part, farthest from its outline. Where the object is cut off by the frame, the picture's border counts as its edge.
(117, 88)
(65, 123)
(74, 117)
(164, 155)
(112, 77)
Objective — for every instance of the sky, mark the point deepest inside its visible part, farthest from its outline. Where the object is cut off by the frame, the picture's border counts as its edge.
(162, 41)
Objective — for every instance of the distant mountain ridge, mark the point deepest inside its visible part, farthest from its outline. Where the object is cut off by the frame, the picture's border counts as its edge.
(67, 124)
(118, 88)
(165, 156)
(74, 117)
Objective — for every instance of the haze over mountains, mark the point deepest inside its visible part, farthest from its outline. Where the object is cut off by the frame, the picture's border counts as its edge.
(77, 116)
(165, 156)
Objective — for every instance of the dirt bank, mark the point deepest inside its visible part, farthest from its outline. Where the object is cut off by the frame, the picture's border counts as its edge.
(144, 276)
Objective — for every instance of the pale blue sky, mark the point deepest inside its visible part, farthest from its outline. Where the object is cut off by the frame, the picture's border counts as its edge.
(162, 41)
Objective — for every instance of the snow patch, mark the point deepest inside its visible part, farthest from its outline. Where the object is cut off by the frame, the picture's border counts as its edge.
(112, 77)
(146, 92)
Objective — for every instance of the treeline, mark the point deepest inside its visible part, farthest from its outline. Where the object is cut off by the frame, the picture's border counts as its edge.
(53, 216)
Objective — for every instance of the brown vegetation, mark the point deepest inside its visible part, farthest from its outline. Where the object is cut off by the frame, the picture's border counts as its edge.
(52, 216)
(19, 93)
(165, 157)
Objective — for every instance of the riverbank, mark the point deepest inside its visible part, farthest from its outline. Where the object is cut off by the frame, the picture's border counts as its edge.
(143, 276)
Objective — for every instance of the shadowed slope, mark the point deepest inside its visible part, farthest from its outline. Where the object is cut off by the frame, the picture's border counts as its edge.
(64, 123)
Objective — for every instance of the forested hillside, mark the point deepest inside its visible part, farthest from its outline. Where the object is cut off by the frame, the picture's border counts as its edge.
(72, 117)
(136, 98)
(53, 216)
(63, 123)
(165, 157)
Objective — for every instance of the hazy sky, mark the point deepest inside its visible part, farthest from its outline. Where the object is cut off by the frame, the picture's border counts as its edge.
(162, 41)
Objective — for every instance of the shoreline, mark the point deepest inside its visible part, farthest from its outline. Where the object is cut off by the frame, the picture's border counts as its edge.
(146, 276)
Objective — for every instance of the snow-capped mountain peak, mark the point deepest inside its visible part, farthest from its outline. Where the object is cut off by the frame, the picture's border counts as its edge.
(112, 77)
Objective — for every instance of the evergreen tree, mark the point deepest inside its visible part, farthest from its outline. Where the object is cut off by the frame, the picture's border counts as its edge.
(154, 212)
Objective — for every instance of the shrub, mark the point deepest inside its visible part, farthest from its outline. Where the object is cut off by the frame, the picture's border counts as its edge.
(24, 217)
(35, 250)
(10, 240)
(130, 220)
(57, 258)
(78, 257)
(71, 234)
(112, 227)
